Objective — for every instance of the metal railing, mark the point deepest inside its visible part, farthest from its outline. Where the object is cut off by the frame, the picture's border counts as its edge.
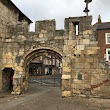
(52, 82)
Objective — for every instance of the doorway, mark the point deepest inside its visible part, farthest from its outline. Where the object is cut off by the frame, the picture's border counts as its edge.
(7, 79)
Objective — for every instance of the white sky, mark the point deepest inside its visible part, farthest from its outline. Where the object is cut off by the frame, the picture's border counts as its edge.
(61, 9)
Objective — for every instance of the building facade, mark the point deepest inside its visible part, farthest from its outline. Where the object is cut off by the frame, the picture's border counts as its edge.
(45, 65)
(103, 37)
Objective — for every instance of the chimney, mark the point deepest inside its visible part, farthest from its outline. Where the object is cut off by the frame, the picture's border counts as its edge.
(99, 19)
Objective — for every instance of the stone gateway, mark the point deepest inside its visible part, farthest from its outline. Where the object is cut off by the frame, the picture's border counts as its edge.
(84, 71)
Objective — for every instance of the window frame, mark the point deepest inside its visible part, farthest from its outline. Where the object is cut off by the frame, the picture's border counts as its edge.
(106, 38)
(107, 57)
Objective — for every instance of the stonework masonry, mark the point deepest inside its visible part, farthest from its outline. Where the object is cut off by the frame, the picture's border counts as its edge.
(10, 16)
(84, 72)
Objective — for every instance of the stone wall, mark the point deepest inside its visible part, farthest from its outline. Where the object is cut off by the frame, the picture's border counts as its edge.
(10, 16)
(10, 26)
(21, 43)
(84, 71)
(7, 17)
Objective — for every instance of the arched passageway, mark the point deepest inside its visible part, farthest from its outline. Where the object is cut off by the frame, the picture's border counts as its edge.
(44, 63)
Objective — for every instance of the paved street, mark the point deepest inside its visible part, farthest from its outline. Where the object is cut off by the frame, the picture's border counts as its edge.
(49, 80)
(49, 98)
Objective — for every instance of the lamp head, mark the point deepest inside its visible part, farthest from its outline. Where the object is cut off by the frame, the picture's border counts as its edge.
(88, 1)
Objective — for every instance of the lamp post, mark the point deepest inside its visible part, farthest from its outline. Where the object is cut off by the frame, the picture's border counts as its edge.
(86, 9)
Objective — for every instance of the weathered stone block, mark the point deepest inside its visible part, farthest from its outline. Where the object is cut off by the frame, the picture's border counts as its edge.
(66, 64)
(79, 65)
(94, 43)
(86, 41)
(71, 42)
(90, 60)
(95, 93)
(43, 31)
(66, 82)
(80, 86)
(41, 35)
(74, 85)
(97, 89)
(8, 40)
(87, 85)
(103, 77)
(82, 60)
(66, 87)
(87, 76)
(66, 59)
(95, 48)
(76, 91)
(77, 52)
(18, 69)
(94, 80)
(66, 69)
(66, 93)
(67, 47)
(89, 52)
(87, 32)
(80, 47)
(66, 76)
(104, 89)
(83, 65)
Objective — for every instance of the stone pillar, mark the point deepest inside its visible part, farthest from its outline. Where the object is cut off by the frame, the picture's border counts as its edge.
(66, 77)
(66, 70)
(18, 80)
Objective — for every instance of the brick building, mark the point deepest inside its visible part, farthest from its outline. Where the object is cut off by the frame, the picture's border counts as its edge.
(103, 37)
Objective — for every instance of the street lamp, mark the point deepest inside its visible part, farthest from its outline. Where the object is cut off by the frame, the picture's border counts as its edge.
(86, 9)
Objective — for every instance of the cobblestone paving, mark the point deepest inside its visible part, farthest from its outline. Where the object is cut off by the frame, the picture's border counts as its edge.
(49, 98)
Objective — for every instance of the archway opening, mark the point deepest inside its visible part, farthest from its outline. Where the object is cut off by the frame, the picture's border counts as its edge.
(7, 79)
(44, 66)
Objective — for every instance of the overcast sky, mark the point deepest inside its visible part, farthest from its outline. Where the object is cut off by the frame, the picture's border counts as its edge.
(60, 9)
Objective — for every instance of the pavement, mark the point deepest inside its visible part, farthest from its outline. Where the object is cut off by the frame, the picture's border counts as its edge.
(48, 80)
(49, 98)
